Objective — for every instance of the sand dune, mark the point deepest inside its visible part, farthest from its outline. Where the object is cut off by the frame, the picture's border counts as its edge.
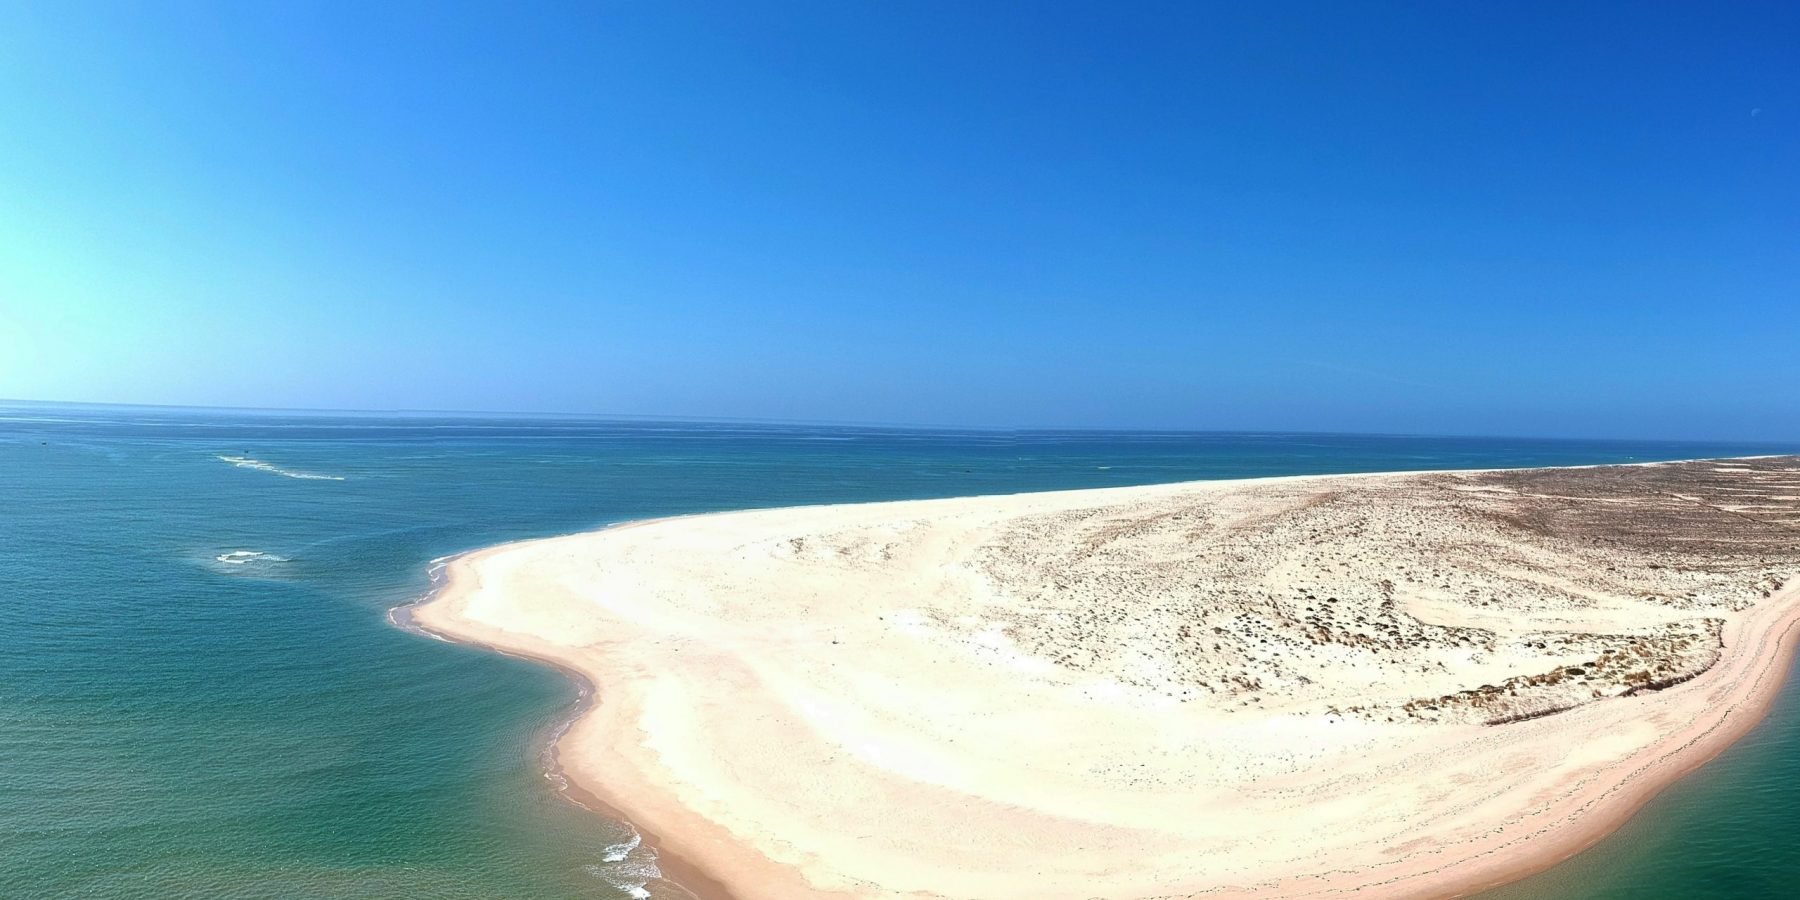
(1381, 685)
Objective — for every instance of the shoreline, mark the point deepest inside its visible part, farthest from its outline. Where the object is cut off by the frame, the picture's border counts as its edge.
(676, 872)
(1750, 675)
(1751, 711)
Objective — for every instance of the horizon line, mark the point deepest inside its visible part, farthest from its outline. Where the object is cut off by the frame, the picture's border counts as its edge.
(900, 426)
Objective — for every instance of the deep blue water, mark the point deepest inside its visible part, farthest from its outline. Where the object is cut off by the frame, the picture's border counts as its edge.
(201, 696)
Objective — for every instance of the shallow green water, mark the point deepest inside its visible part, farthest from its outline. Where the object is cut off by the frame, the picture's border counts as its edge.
(1731, 830)
(201, 696)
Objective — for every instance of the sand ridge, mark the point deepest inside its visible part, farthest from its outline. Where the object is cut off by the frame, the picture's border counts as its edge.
(1387, 684)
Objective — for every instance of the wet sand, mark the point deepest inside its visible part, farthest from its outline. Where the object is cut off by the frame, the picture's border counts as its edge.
(1382, 685)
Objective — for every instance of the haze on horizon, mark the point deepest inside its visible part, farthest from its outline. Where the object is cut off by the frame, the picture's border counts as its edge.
(1543, 219)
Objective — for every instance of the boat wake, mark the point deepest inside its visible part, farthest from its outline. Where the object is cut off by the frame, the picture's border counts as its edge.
(247, 462)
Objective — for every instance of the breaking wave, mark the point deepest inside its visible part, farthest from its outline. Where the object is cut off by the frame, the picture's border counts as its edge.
(628, 866)
(246, 557)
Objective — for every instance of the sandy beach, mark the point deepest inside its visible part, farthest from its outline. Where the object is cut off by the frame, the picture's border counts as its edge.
(1397, 685)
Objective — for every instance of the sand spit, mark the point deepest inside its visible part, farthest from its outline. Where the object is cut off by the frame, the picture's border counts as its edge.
(1372, 685)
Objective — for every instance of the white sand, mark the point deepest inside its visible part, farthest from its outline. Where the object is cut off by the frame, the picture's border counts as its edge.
(1251, 688)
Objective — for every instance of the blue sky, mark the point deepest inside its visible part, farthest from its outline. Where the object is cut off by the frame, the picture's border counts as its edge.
(1551, 219)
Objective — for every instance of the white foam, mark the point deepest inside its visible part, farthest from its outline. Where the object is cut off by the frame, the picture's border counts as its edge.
(618, 852)
(628, 866)
(625, 878)
(241, 557)
(246, 462)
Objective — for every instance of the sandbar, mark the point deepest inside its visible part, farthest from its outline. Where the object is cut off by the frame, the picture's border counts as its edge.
(1391, 685)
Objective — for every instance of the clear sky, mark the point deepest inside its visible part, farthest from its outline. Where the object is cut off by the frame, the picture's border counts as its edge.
(1494, 218)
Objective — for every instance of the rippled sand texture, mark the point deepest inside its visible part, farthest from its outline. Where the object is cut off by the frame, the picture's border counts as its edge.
(1391, 685)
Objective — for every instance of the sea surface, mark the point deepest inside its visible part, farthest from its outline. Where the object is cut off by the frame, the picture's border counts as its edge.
(201, 694)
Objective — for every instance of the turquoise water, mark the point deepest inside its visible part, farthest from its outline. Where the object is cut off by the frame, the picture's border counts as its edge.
(201, 696)
(1727, 833)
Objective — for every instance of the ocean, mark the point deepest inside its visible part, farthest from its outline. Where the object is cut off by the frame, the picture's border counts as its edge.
(201, 694)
